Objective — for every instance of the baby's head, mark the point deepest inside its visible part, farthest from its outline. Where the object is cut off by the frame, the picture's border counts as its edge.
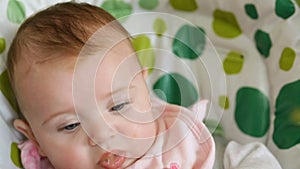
(42, 60)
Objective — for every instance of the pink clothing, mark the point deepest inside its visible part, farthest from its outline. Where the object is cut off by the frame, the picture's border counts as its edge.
(183, 143)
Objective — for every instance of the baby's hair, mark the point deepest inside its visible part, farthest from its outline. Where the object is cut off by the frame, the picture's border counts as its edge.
(55, 33)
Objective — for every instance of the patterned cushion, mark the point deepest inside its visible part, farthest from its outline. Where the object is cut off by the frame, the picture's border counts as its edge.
(242, 55)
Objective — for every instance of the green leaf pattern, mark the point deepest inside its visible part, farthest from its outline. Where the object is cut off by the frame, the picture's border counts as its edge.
(16, 11)
(251, 107)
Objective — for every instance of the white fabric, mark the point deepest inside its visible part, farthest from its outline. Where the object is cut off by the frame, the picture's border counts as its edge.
(250, 156)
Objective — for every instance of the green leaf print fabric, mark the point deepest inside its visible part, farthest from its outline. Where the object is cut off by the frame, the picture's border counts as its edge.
(250, 46)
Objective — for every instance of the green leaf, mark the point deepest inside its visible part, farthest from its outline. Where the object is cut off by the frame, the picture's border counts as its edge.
(7, 91)
(214, 127)
(117, 8)
(16, 11)
(224, 102)
(15, 155)
(263, 42)
(287, 59)
(176, 89)
(184, 5)
(284, 8)
(144, 49)
(159, 26)
(189, 42)
(148, 4)
(252, 111)
(225, 24)
(298, 2)
(233, 63)
(287, 116)
(251, 11)
(2, 45)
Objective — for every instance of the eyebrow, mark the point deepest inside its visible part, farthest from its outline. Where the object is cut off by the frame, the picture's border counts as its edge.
(67, 111)
(119, 90)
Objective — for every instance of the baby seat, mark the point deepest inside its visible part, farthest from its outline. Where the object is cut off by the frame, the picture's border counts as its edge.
(243, 56)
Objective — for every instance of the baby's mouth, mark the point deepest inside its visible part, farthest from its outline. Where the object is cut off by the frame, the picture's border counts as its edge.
(111, 161)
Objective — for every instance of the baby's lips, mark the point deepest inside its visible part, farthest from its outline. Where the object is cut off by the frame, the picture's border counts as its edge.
(111, 161)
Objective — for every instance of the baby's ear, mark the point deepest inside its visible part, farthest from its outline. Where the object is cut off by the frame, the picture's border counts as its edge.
(23, 127)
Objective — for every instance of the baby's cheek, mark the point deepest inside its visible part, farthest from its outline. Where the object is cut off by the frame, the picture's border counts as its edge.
(69, 158)
(145, 130)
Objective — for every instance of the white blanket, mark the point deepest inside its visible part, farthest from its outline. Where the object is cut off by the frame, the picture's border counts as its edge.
(250, 156)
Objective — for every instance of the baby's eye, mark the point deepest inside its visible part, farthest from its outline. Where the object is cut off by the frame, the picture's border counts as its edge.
(71, 127)
(118, 107)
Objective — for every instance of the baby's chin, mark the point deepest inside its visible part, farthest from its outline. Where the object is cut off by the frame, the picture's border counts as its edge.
(129, 162)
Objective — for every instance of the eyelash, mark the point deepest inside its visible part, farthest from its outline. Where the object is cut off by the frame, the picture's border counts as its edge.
(71, 127)
(118, 107)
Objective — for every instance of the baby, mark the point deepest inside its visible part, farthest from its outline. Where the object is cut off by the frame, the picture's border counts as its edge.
(85, 103)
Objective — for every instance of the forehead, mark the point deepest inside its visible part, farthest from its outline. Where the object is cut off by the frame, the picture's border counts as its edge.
(49, 85)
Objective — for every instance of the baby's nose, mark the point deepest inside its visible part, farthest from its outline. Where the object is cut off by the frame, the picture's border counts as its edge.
(91, 142)
(100, 137)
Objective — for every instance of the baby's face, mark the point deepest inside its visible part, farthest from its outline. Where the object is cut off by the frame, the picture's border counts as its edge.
(47, 101)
